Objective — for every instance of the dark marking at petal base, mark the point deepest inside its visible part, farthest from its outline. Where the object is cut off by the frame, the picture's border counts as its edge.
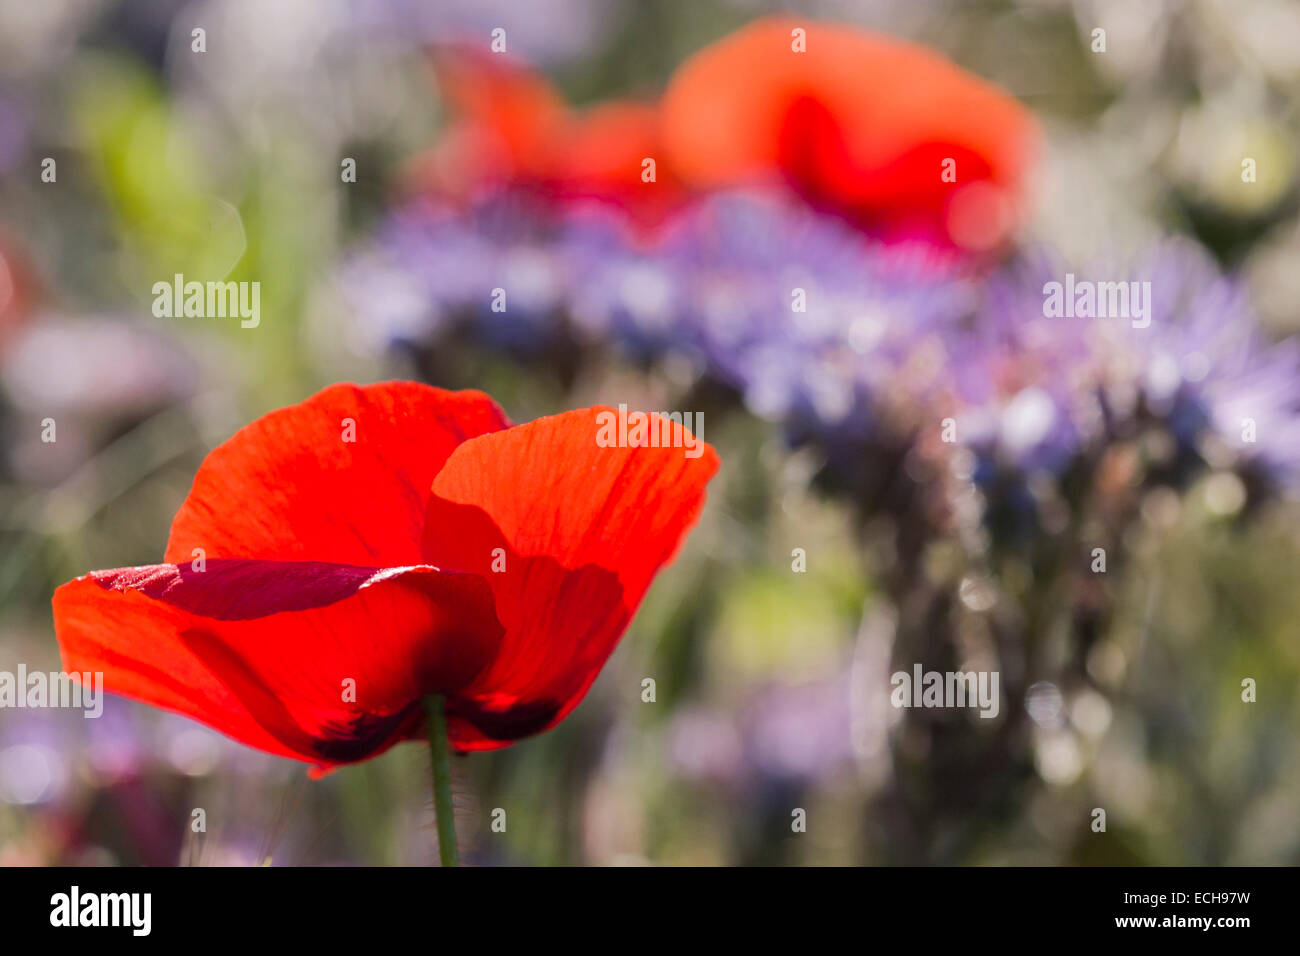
(521, 721)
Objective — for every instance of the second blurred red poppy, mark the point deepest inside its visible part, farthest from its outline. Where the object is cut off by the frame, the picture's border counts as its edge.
(890, 134)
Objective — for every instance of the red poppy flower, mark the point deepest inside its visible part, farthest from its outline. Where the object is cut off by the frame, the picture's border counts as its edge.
(17, 290)
(857, 122)
(338, 560)
(510, 127)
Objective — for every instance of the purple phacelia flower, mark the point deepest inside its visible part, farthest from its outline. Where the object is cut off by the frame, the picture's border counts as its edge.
(849, 340)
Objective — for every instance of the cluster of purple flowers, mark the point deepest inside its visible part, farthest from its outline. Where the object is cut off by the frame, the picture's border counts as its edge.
(1036, 388)
(814, 324)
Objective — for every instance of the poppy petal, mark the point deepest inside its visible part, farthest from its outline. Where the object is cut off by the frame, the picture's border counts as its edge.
(342, 477)
(857, 120)
(568, 534)
(263, 650)
(506, 119)
(604, 158)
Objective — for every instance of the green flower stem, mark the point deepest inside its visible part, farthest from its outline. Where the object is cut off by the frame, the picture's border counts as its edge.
(440, 753)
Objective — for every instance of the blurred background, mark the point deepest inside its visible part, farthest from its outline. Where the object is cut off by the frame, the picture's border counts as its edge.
(1122, 691)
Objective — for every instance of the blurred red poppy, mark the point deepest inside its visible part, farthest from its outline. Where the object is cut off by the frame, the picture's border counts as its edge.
(510, 127)
(889, 134)
(339, 559)
(17, 289)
